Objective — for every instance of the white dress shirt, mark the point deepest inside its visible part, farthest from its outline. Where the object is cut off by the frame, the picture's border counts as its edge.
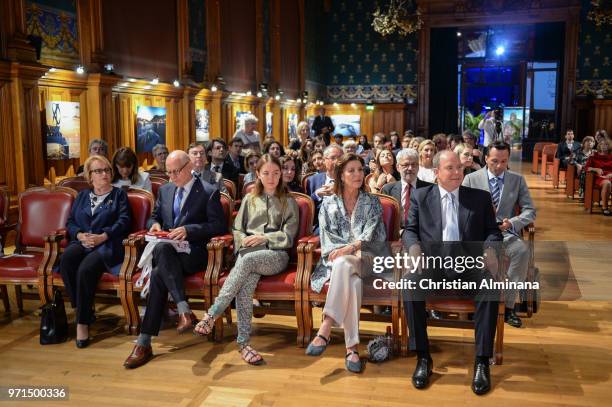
(450, 214)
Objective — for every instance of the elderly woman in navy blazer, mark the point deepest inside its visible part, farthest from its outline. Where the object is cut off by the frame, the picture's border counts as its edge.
(98, 223)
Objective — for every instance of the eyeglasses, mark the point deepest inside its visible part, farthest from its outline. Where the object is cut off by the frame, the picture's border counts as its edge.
(100, 171)
(174, 173)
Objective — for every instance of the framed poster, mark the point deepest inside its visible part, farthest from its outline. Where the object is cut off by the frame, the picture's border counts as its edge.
(240, 119)
(150, 128)
(202, 125)
(347, 124)
(269, 116)
(63, 136)
(292, 122)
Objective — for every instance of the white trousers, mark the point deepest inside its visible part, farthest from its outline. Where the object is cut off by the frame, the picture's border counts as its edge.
(343, 301)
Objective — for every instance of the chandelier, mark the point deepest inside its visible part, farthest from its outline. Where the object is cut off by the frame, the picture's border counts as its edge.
(601, 14)
(402, 17)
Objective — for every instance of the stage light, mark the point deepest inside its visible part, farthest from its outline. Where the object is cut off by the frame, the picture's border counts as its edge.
(176, 83)
(155, 81)
(259, 94)
(80, 70)
(248, 93)
(213, 88)
(109, 68)
(500, 50)
(53, 70)
(458, 33)
(277, 97)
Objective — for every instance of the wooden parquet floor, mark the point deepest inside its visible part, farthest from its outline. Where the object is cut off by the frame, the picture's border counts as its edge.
(562, 356)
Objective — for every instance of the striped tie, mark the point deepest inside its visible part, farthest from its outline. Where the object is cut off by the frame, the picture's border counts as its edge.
(495, 191)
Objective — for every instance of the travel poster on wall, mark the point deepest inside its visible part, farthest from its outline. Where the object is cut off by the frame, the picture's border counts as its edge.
(150, 128)
(63, 138)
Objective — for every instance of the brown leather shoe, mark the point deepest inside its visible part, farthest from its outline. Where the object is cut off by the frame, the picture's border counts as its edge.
(186, 322)
(139, 356)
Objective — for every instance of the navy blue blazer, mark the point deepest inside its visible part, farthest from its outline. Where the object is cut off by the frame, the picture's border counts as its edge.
(315, 182)
(201, 215)
(112, 216)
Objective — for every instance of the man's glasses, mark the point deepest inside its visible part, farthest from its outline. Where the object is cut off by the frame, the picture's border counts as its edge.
(176, 172)
(100, 171)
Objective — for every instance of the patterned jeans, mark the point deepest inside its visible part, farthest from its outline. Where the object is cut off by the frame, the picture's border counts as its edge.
(241, 284)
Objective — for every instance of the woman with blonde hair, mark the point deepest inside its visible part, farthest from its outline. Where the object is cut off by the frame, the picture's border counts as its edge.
(264, 230)
(427, 150)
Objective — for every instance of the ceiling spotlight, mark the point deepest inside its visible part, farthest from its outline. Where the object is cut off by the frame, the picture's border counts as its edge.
(213, 88)
(53, 70)
(248, 93)
(353, 105)
(132, 80)
(109, 68)
(458, 33)
(500, 50)
(176, 83)
(155, 81)
(80, 70)
(259, 94)
(335, 104)
(277, 97)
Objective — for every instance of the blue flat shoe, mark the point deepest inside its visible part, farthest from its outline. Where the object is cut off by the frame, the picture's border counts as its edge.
(355, 367)
(314, 350)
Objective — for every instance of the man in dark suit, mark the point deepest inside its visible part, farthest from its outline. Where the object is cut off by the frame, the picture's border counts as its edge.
(321, 185)
(408, 167)
(190, 210)
(439, 214)
(567, 149)
(234, 155)
(323, 126)
(217, 149)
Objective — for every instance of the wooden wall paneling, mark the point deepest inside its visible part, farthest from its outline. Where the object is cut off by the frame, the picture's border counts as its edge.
(101, 120)
(259, 42)
(572, 33)
(184, 56)
(422, 125)
(213, 40)
(603, 115)
(91, 35)
(277, 120)
(14, 29)
(290, 48)
(275, 45)
(8, 179)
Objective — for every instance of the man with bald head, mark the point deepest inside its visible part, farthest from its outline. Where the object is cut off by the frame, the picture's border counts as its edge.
(189, 210)
(439, 215)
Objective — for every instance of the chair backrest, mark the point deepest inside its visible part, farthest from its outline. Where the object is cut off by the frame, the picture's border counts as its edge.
(158, 173)
(228, 209)
(550, 150)
(156, 183)
(366, 182)
(306, 215)
(4, 205)
(141, 204)
(539, 146)
(42, 211)
(241, 182)
(390, 216)
(77, 183)
(305, 180)
(248, 188)
(231, 187)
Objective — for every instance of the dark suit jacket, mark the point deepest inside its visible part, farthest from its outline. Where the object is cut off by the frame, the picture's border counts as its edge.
(319, 123)
(240, 167)
(563, 150)
(395, 190)
(228, 171)
(202, 214)
(315, 182)
(112, 217)
(476, 217)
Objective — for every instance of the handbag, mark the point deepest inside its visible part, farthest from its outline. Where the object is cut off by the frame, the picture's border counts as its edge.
(53, 321)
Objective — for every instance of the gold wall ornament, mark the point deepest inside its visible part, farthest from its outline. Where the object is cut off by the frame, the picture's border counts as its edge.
(601, 13)
(402, 16)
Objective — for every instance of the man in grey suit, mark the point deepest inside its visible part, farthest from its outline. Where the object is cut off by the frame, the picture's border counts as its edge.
(197, 155)
(408, 167)
(509, 191)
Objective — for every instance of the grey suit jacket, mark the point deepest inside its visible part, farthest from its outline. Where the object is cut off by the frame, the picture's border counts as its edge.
(515, 194)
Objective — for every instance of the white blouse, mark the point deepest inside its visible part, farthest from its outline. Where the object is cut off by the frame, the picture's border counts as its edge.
(143, 182)
(426, 174)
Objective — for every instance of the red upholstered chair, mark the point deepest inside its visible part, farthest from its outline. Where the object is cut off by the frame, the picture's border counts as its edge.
(548, 154)
(284, 287)
(305, 180)
(247, 188)
(370, 296)
(141, 205)
(241, 184)
(231, 188)
(592, 193)
(77, 183)
(196, 284)
(366, 182)
(156, 183)
(159, 174)
(537, 156)
(42, 211)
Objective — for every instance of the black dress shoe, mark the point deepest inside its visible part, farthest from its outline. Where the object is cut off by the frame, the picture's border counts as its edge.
(420, 377)
(481, 383)
(82, 343)
(512, 319)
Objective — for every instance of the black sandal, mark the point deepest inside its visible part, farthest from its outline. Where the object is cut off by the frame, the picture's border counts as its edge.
(250, 354)
(206, 324)
(314, 350)
(607, 212)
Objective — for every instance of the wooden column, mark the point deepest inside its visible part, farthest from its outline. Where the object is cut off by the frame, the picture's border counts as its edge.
(8, 166)
(213, 39)
(184, 56)
(301, 44)
(572, 33)
(603, 115)
(217, 115)
(101, 111)
(91, 35)
(14, 28)
(259, 42)
(187, 116)
(275, 46)
(422, 128)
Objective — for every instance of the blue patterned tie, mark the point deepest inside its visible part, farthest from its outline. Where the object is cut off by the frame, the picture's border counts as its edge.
(495, 191)
(176, 207)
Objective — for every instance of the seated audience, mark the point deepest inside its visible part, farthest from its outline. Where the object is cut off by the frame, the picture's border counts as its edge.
(349, 217)
(464, 151)
(416, 142)
(251, 163)
(319, 144)
(234, 155)
(427, 150)
(363, 143)
(440, 142)
(274, 148)
(322, 184)
(601, 164)
(386, 172)
(407, 166)
(396, 145)
(378, 144)
(454, 140)
(264, 229)
(190, 211)
(99, 221)
(406, 142)
(580, 160)
(96, 147)
(303, 132)
(160, 153)
(470, 139)
(251, 140)
(317, 162)
(290, 170)
(126, 172)
(199, 160)
(217, 149)
(567, 149)
(350, 146)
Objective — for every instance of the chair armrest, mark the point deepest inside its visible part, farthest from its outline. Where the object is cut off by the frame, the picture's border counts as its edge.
(219, 248)
(133, 246)
(6, 227)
